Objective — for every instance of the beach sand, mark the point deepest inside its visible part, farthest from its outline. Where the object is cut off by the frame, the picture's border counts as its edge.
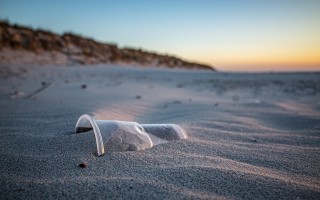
(251, 136)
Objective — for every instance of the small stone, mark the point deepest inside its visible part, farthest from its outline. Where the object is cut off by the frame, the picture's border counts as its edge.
(180, 85)
(83, 165)
(138, 97)
(84, 86)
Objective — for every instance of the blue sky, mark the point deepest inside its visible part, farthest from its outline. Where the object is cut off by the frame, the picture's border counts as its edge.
(231, 35)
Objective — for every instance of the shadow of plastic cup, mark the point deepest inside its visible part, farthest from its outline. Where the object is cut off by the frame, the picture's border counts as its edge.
(128, 136)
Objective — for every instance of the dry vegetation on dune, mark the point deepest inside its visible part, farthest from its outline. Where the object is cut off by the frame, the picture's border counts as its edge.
(44, 47)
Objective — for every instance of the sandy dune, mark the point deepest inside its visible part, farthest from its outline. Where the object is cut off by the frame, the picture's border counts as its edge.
(251, 136)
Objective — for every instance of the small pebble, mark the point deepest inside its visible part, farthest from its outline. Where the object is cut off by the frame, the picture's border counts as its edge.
(83, 165)
(138, 97)
(180, 85)
(84, 86)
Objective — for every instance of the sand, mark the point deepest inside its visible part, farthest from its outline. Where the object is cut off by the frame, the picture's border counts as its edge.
(251, 136)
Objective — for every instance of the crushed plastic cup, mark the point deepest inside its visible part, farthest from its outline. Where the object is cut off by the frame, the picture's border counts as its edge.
(116, 135)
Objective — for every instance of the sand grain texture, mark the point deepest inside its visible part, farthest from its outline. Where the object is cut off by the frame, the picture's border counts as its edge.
(251, 136)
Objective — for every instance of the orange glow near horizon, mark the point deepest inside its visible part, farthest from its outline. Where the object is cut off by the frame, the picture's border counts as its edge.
(262, 67)
(271, 63)
(264, 59)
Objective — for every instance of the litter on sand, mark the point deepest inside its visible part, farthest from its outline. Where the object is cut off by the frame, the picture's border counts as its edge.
(113, 135)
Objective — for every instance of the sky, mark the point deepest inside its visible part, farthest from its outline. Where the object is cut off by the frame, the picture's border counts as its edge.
(231, 35)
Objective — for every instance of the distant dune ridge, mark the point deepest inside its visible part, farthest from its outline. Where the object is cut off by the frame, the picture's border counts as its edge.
(23, 45)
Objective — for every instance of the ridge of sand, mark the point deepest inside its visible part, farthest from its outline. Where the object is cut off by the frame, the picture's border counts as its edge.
(27, 46)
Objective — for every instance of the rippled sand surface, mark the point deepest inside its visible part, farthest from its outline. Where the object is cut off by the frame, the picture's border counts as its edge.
(251, 136)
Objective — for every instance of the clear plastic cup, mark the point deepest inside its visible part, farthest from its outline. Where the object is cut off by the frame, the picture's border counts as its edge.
(160, 133)
(116, 135)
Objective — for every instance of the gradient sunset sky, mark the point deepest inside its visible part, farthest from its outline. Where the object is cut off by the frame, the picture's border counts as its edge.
(232, 35)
